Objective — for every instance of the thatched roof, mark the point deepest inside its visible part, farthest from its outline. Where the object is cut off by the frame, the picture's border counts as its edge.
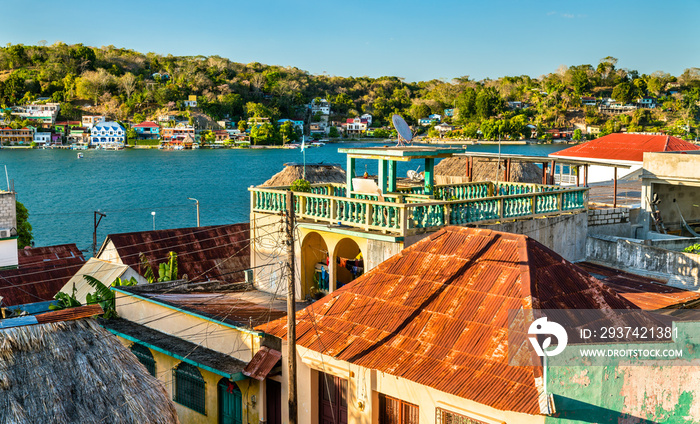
(453, 170)
(76, 372)
(315, 174)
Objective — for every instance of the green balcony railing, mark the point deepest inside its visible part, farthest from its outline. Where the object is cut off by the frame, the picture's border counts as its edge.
(404, 213)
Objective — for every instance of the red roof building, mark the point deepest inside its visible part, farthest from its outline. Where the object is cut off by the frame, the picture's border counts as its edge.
(146, 124)
(436, 315)
(624, 148)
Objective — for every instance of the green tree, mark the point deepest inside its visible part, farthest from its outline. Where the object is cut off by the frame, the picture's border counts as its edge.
(577, 135)
(263, 134)
(623, 92)
(287, 132)
(24, 228)
(242, 125)
(333, 132)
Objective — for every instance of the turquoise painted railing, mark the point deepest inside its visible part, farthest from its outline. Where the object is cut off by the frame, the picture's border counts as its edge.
(407, 214)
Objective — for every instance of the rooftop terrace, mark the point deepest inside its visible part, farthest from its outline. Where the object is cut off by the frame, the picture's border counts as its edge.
(388, 206)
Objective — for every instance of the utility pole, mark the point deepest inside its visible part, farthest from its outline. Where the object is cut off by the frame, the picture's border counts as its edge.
(94, 232)
(291, 312)
(189, 198)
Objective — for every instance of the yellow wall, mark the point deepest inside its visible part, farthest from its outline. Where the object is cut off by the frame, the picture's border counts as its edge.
(267, 248)
(364, 386)
(164, 372)
(219, 337)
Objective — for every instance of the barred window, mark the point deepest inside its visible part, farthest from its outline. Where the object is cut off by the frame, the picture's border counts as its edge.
(189, 387)
(396, 411)
(446, 417)
(144, 355)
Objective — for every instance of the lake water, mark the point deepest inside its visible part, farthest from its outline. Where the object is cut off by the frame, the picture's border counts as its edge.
(62, 192)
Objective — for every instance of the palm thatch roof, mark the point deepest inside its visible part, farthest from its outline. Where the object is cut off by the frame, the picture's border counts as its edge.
(453, 170)
(315, 174)
(76, 372)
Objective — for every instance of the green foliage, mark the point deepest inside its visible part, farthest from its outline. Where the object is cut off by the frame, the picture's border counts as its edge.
(333, 132)
(577, 136)
(301, 185)
(65, 300)
(24, 228)
(167, 271)
(693, 248)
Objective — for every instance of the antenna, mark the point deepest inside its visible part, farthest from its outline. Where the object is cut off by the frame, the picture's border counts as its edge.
(402, 129)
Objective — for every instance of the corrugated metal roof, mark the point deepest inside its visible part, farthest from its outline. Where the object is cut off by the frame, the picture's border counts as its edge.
(647, 293)
(69, 314)
(262, 363)
(219, 252)
(437, 313)
(625, 147)
(42, 272)
(225, 307)
(104, 271)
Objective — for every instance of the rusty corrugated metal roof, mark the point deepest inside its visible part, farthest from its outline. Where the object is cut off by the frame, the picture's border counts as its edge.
(262, 363)
(225, 307)
(646, 293)
(41, 273)
(437, 313)
(219, 252)
(625, 147)
(69, 314)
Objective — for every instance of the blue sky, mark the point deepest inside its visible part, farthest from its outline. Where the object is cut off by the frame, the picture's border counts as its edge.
(410, 39)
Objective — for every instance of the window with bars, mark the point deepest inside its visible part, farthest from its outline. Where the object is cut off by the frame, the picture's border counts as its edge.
(443, 416)
(396, 411)
(189, 387)
(144, 355)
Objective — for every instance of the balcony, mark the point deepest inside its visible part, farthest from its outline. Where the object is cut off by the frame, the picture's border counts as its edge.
(403, 209)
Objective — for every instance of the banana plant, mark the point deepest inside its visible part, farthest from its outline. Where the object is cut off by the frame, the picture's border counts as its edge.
(65, 300)
(167, 271)
(103, 295)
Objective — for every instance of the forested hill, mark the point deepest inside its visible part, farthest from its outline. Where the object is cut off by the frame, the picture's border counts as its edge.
(132, 86)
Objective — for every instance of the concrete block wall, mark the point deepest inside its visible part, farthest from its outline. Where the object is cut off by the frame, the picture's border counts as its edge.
(8, 210)
(608, 216)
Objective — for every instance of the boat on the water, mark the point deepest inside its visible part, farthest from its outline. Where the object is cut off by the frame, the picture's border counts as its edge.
(80, 155)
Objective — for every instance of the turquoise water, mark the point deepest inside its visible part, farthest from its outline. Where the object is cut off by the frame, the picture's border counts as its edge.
(61, 191)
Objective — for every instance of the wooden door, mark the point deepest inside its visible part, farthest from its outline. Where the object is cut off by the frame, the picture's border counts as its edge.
(273, 392)
(230, 403)
(333, 399)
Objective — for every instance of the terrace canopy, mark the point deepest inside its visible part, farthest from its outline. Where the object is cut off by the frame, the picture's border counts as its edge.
(388, 156)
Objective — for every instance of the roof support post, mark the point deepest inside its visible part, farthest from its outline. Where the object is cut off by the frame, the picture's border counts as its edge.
(615, 188)
(578, 173)
(392, 176)
(349, 175)
(544, 173)
(429, 165)
(585, 175)
(382, 175)
(470, 168)
(552, 169)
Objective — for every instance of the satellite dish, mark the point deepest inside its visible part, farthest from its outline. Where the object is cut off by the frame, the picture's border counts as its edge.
(402, 129)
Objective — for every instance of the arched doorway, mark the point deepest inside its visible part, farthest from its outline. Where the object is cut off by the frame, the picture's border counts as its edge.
(314, 266)
(349, 263)
(230, 402)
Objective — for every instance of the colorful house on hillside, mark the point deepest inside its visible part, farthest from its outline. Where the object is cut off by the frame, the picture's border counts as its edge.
(107, 135)
(355, 126)
(147, 130)
(191, 101)
(88, 121)
(624, 149)
(16, 137)
(178, 133)
(439, 334)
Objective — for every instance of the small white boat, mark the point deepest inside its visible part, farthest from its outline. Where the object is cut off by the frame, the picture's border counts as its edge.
(318, 144)
(80, 155)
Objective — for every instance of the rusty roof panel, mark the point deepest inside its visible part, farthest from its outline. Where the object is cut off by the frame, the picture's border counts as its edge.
(262, 363)
(41, 273)
(443, 323)
(646, 293)
(219, 252)
(69, 314)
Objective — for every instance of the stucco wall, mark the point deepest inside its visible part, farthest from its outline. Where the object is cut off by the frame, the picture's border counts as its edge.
(364, 386)
(681, 269)
(164, 372)
(664, 391)
(565, 234)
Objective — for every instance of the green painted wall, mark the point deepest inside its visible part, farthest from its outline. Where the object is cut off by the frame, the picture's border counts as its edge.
(666, 391)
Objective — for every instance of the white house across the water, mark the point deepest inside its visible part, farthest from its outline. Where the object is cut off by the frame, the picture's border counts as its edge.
(107, 135)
